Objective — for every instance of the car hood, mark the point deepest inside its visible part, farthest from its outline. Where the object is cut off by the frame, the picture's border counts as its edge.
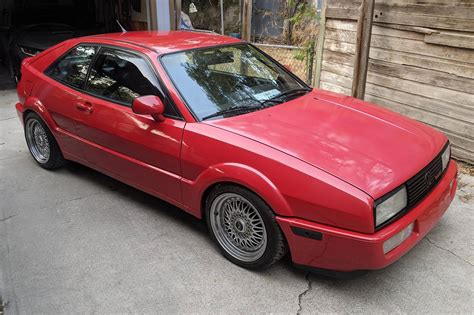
(370, 147)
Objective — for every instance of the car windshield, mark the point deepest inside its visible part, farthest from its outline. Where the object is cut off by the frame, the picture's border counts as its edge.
(226, 81)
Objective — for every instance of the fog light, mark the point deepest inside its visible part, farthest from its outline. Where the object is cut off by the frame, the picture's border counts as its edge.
(397, 239)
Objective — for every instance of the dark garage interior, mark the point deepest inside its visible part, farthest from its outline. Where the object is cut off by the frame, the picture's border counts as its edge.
(30, 26)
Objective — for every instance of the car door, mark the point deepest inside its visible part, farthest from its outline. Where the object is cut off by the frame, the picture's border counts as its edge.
(133, 148)
(64, 80)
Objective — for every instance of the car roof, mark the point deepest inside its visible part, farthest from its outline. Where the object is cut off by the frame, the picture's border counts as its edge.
(171, 41)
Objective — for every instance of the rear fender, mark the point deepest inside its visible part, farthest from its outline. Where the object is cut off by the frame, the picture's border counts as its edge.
(35, 105)
(195, 191)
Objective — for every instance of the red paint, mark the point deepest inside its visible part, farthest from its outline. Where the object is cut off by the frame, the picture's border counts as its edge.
(319, 160)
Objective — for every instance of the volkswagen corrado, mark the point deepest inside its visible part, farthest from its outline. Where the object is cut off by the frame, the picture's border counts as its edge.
(218, 128)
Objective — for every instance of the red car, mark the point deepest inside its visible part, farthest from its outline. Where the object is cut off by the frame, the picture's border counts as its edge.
(218, 128)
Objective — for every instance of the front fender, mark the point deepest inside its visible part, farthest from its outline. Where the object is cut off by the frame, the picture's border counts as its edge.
(240, 174)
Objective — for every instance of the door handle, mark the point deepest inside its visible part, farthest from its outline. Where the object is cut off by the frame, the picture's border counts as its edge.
(86, 107)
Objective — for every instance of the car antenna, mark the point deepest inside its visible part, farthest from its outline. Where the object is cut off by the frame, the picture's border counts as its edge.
(121, 27)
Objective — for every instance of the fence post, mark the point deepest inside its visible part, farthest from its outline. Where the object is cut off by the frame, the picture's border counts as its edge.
(320, 45)
(361, 60)
(247, 20)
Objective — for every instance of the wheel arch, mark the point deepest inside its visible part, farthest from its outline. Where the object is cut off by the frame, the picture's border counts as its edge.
(34, 105)
(235, 174)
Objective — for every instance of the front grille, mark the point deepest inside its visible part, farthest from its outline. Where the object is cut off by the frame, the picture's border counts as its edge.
(422, 183)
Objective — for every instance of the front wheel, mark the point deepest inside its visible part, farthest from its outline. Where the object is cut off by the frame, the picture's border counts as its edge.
(41, 143)
(244, 227)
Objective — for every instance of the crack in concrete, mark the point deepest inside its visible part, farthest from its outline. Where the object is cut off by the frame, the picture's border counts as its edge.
(447, 250)
(8, 118)
(9, 217)
(75, 199)
(300, 296)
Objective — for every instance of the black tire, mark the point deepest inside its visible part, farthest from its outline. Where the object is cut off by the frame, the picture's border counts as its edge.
(276, 246)
(55, 158)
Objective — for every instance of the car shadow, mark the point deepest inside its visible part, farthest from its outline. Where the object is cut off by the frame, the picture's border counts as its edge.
(187, 221)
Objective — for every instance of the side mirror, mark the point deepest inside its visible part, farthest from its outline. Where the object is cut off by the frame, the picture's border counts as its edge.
(149, 105)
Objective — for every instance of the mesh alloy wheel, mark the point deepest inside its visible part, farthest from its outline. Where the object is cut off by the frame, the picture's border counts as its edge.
(37, 140)
(41, 143)
(238, 227)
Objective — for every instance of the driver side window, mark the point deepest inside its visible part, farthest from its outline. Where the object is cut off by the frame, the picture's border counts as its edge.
(121, 77)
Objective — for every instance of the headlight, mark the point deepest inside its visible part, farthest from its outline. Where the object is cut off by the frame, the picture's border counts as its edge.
(387, 209)
(445, 156)
(29, 51)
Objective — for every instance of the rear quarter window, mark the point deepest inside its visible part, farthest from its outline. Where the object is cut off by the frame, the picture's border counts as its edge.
(71, 69)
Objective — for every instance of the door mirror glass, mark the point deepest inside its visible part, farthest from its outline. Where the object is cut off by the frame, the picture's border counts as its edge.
(149, 105)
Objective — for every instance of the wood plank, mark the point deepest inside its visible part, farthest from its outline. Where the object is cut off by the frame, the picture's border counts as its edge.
(335, 75)
(406, 45)
(433, 78)
(344, 14)
(416, 29)
(461, 40)
(456, 127)
(430, 21)
(458, 68)
(460, 98)
(339, 49)
(378, 29)
(462, 155)
(339, 58)
(344, 4)
(335, 45)
(441, 107)
(445, 9)
(446, 114)
(423, 103)
(334, 88)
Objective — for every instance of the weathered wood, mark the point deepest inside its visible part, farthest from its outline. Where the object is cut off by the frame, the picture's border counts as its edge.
(455, 97)
(377, 29)
(430, 21)
(434, 78)
(320, 46)
(344, 14)
(416, 29)
(461, 40)
(424, 15)
(458, 68)
(333, 83)
(427, 104)
(246, 20)
(424, 116)
(406, 45)
(458, 99)
(452, 11)
(448, 66)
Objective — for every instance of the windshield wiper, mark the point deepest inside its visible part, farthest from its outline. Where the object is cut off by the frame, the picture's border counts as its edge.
(288, 93)
(233, 109)
(270, 100)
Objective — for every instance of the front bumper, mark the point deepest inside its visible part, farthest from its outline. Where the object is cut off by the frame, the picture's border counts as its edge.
(331, 248)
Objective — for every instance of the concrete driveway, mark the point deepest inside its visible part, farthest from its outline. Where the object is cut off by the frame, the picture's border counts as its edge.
(76, 241)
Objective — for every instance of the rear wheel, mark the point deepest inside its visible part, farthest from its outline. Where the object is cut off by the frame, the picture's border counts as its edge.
(41, 143)
(244, 227)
